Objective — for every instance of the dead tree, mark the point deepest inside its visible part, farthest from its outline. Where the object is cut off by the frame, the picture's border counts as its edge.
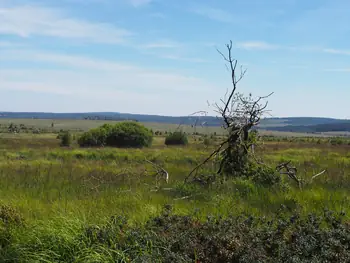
(239, 114)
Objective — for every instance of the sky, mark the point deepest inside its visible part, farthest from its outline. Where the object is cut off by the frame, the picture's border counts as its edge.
(160, 56)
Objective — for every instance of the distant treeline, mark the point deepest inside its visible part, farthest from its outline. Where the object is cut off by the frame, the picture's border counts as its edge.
(290, 124)
(328, 127)
(185, 120)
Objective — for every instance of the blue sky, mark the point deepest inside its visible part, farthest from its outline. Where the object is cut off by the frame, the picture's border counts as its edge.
(159, 56)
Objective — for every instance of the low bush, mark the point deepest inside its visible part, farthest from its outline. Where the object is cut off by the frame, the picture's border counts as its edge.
(207, 141)
(123, 134)
(169, 237)
(265, 176)
(176, 138)
(66, 138)
(9, 215)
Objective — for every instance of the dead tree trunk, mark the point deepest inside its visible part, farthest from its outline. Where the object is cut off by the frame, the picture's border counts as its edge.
(239, 115)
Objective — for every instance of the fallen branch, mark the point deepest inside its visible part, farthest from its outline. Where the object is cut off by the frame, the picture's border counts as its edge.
(291, 171)
(160, 170)
(182, 198)
(207, 159)
(316, 175)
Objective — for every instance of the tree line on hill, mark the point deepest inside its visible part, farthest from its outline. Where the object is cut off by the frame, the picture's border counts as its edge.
(290, 124)
(327, 127)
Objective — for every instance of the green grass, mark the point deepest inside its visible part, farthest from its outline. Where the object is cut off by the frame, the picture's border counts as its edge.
(60, 190)
(94, 181)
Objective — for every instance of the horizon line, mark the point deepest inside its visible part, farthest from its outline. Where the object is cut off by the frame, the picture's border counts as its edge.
(160, 115)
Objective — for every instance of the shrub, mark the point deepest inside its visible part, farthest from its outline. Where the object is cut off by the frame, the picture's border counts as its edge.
(244, 187)
(66, 138)
(206, 141)
(186, 189)
(123, 134)
(158, 133)
(171, 237)
(94, 137)
(129, 134)
(176, 138)
(265, 176)
(9, 215)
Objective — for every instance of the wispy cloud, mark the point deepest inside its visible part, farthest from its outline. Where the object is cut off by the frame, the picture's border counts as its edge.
(158, 15)
(263, 46)
(162, 44)
(256, 45)
(215, 14)
(338, 70)
(124, 76)
(26, 21)
(138, 3)
(9, 44)
(336, 51)
(186, 59)
(169, 49)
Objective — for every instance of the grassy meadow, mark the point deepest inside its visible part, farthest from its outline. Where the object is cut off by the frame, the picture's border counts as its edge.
(50, 195)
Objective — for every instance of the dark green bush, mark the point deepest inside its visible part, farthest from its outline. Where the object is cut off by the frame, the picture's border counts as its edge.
(207, 141)
(265, 176)
(66, 138)
(9, 215)
(174, 238)
(123, 134)
(283, 237)
(176, 138)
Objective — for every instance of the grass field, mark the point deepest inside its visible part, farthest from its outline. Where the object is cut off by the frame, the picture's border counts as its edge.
(50, 194)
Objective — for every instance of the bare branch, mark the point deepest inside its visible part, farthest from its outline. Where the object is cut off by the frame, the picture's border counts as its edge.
(207, 159)
(160, 170)
(316, 175)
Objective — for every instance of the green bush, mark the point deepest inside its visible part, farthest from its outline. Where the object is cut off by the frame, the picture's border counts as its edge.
(285, 236)
(265, 176)
(176, 138)
(207, 141)
(9, 215)
(123, 134)
(66, 138)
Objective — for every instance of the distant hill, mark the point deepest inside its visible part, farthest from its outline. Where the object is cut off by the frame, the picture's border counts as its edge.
(318, 128)
(209, 121)
(290, 124)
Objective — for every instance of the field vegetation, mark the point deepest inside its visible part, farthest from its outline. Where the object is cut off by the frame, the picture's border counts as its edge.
(57, 203)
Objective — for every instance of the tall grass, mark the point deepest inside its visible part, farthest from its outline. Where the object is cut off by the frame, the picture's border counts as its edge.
(59, 191)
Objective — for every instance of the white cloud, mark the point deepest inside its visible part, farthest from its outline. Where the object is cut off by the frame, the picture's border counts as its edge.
(186, 59)
(158, 15)
(9, 44)
(338, 70)
(127, 87)
(336, 51)
(138, 3)
(215, 14)
(26, 21)
(61, 59)
(262, 45)
(259, 45)
(168, 49)
(162, 44)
